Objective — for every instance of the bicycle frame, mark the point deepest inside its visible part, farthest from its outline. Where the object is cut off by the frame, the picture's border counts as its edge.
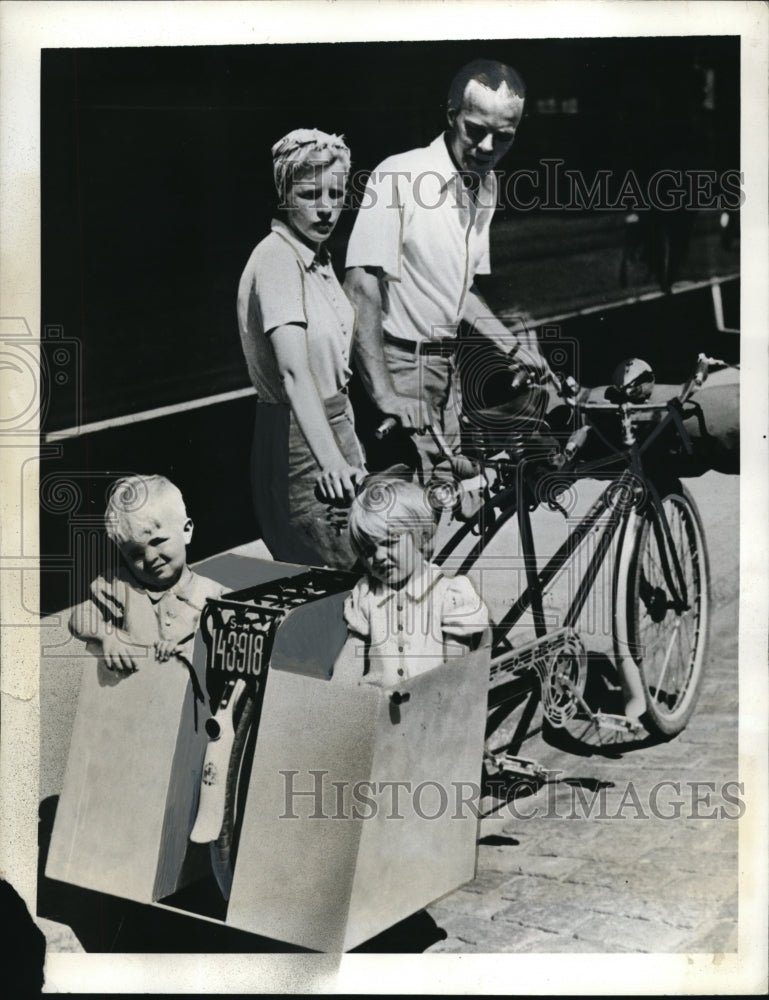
(617, 502)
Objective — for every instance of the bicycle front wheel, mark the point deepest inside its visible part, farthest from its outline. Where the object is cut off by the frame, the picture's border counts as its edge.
(661, 626)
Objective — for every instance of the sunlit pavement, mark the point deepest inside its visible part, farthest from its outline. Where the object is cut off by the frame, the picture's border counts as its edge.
(650, 863)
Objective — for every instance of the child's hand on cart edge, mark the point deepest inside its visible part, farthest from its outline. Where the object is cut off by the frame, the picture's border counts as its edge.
(166, 648)
(119, 653)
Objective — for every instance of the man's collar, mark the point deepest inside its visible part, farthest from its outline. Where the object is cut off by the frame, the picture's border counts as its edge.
(309, 257)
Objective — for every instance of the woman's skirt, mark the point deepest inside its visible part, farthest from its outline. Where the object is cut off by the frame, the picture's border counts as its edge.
(295, 525)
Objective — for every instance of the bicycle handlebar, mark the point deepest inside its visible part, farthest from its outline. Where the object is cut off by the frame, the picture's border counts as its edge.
(569, 390)
(695, 381)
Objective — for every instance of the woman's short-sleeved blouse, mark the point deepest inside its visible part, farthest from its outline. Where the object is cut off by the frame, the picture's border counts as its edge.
(286, 282)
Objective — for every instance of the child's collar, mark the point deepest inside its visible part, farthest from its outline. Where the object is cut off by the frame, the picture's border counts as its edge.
(418, 585)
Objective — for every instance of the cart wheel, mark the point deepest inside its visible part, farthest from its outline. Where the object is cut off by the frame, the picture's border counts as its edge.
(667, 642)
(224, 848)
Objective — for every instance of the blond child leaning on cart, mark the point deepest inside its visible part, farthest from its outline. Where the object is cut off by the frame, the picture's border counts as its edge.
(151, 603)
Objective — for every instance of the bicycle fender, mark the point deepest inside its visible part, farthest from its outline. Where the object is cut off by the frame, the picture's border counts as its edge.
(213, 781)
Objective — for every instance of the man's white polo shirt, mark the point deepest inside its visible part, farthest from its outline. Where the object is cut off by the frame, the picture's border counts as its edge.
(423, 229)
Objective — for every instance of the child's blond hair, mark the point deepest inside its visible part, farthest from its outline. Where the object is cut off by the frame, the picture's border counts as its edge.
(391, 506)
(132, 501)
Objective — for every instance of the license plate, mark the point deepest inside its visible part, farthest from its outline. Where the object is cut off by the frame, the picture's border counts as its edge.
(241, 648)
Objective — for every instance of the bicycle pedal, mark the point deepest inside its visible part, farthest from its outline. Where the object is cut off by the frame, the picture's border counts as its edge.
(618, 723)
(519, 767)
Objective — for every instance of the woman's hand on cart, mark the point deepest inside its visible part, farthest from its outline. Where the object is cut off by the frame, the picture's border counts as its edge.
(337, 484)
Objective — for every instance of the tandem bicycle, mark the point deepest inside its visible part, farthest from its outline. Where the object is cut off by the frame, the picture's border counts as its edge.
(517, 459)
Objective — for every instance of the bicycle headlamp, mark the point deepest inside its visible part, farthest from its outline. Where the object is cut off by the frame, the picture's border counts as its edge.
(634, 378)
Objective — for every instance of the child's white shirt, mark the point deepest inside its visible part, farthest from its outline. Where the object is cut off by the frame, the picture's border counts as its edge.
(405, 630)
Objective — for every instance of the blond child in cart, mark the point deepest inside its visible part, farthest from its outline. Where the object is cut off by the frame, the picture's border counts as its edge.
(404, 617)
(150, 605)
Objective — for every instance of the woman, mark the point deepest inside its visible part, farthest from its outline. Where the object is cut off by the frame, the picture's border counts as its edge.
(296, 327)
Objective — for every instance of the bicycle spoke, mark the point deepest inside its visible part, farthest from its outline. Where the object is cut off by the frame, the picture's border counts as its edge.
(666, 661)
(667, 620)
(685, 623)
(660, 573)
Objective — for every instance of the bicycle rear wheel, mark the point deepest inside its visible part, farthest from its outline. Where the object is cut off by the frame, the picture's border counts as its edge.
(665, 637)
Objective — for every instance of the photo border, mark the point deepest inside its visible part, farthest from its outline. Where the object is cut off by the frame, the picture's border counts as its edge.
(28, 27)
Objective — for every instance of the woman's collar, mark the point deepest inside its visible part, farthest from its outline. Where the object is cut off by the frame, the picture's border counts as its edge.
(309, 257)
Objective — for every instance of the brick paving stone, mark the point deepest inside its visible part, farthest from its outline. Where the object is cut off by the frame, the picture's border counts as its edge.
(727, 910)
(551, 867)
(461, 928)
(707, 739)
(506, 859)
(676, 911)
(718, 937)
(718, 838)
(486, 878)
(483, 907)
(679, 785)
(565, 918)
(616, 842)
(718, 890)
(609, 930)
(504, 938)
(529, 888)
(528, 838)
(681, 859)
(646, 880)
(602, 873)
(558, 943)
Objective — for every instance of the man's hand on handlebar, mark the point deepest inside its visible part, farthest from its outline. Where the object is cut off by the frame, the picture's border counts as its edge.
(528, 367)
(338, 483)
(412, 414)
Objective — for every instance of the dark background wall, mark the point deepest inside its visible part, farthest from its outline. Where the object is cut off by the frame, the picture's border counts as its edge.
(156, 185)
(156, 173)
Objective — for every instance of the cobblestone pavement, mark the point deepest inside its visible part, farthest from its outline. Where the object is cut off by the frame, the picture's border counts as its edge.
(584, 864)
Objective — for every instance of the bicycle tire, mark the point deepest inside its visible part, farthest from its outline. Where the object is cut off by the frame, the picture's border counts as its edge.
(666, 645)
(224, 848)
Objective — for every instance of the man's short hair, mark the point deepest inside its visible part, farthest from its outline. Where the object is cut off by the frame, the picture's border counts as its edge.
(490, 73)
(134, 500)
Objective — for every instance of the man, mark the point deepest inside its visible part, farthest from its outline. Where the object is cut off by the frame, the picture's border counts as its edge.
(421, 236)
